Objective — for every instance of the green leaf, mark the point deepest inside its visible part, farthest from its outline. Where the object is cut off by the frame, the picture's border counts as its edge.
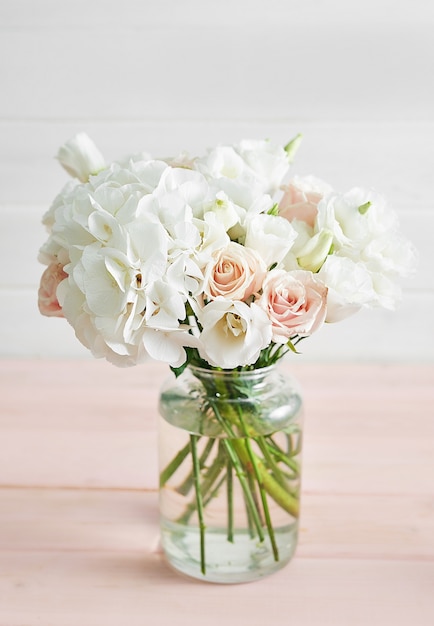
(179, 370)
(192, 358)
(292, 347)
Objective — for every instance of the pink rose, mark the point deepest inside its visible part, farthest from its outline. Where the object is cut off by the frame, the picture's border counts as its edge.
(236, 272)
(295, 303)
(47, 299)
(301, 198)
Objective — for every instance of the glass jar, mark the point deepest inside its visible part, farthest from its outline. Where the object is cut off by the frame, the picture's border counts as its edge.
(229, 451)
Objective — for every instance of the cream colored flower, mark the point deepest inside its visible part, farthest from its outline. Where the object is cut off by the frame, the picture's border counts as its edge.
(80, 157)
(235, 272)
(271, 236)
(233, 333)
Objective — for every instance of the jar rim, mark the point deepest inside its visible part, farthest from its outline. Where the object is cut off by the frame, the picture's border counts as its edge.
(253, 373)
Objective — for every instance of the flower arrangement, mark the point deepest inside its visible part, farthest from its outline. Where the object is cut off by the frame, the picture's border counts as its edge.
(196, 260)
(214, 263)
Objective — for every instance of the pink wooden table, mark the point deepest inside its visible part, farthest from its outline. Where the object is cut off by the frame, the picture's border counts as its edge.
(79, 517)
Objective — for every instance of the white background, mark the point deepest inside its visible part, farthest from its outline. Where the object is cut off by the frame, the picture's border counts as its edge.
(356, 78)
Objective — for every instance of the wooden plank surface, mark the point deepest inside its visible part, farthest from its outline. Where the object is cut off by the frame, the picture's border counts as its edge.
(79, 510)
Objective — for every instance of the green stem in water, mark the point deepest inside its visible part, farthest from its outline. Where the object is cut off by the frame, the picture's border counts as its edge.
(214, 492)
(171, 468)
(207, 484)
(275, 469)
(253, 459)
(276, 491)
(187, 484)
(250, 523)
(263, 495)
(230, 500)
(199, 503)
(205, 500)
(230, 448)
(284, 458)
(253, 491)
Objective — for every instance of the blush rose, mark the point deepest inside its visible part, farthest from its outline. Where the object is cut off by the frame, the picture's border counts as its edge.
(236, 272)
(295, 302)
(301, 198)
(47, 295)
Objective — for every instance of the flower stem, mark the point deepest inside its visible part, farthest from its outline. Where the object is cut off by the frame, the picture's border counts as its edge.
(230, 500)
(208, 483)
(276, 491)
(253, 459)
(280, 495)
(250, 523)
(263, 495)
(199, 503)
(253, 490)
(275, 469)
(241, 475)
(187, 484)
(171, 468)
(284, 458)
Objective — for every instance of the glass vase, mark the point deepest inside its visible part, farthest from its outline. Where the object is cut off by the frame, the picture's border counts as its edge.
(229, 451)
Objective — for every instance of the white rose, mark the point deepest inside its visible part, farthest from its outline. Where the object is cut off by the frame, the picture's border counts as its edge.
(391, 254)
(80, 157)
(233, 333)
(365, 234)
(349, 285)
(355, 217)
(388, 292)
(271, 236)
(268, 161)
(222, 162)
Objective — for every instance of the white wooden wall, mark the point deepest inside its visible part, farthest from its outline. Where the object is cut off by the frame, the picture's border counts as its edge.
(356, 78)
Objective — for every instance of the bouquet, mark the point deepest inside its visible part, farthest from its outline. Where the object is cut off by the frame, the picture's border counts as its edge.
(219, 263)
(196, 260)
